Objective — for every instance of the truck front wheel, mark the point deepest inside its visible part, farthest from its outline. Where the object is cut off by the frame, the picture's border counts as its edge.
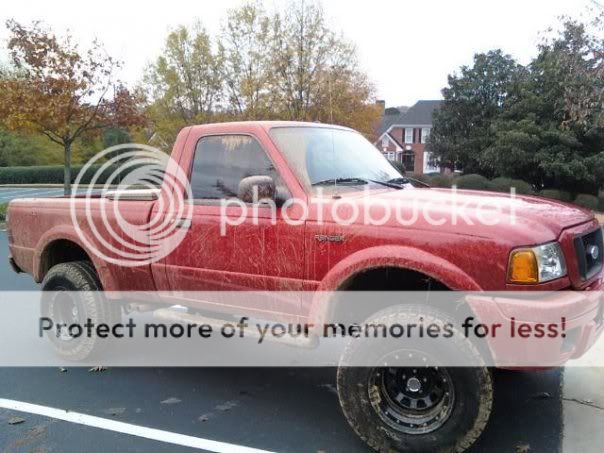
(415, 409)
(72, 295)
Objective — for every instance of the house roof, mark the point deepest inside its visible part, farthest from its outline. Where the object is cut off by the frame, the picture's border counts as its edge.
(392, 140)
(418, 114)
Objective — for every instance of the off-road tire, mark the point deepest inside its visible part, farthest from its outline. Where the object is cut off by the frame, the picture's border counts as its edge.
(78, 276)
(468, 417)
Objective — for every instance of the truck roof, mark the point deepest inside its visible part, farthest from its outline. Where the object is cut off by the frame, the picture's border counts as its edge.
(234, 125)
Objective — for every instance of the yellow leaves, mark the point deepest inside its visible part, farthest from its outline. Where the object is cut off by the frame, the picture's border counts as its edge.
(260, 67)
(60, 91)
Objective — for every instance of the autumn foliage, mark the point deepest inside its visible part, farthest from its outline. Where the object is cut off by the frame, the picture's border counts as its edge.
(57, 90)
(285, 64)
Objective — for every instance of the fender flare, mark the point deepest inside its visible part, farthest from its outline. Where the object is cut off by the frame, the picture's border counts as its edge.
(403, 257)
(65, 233)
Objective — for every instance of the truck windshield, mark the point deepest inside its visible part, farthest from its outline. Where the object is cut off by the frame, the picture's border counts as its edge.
(326, 157)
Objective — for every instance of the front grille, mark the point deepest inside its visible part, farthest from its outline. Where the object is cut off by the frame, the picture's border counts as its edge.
(590, 253)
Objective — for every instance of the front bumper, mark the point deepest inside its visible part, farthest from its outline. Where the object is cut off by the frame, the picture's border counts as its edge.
(578, 315)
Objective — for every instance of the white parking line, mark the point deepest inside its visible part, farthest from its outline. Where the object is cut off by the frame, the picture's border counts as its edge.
(127, 428)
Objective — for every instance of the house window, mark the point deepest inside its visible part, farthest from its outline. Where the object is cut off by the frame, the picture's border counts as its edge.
(425, 134)
(390, 155)
(384, 142)
(430, 165)
(408, 135)
(409, 161)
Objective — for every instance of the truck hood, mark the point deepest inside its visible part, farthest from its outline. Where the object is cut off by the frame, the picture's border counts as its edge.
(528, 219)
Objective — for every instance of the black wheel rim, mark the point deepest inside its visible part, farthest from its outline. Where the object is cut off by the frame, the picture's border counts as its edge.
(414, 400)
(64, 310)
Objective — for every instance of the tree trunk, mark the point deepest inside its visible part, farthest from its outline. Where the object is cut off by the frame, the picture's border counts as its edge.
(67, 170)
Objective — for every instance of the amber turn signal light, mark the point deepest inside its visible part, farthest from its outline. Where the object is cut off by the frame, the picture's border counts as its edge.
(523, 267)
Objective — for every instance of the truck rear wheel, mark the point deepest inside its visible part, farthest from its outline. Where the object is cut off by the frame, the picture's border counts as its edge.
(415, 409)
(72, 294)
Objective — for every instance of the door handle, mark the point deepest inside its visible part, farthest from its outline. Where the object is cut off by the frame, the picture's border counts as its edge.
(185, 224)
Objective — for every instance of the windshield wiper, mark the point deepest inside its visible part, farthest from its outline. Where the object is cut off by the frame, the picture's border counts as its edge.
(399, 180)
(358, 181)
(407, 180)
(392, 184)
(330, 181)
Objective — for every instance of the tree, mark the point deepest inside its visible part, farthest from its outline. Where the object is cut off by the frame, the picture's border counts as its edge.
(316, 73)
(474, 98)
(281, 65)
(553, 134)
(543, 123)
(246, 44)
(184, 83)
(60, 92)
(346, 99)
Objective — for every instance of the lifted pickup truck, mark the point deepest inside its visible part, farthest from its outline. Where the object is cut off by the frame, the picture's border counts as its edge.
(536, 244)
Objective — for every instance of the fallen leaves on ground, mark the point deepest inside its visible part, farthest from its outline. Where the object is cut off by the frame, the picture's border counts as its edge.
(113, 411)
(227, 406)
(16, 420)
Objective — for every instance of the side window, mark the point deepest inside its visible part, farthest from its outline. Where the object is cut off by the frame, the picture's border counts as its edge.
(220, 162)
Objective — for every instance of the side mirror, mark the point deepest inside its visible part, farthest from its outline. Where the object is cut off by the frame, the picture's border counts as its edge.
(256, 188)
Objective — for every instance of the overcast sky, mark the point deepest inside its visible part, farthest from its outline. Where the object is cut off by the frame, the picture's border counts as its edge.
(407, 47)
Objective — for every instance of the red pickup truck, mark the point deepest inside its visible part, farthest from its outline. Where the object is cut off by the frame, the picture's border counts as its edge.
(502, 243)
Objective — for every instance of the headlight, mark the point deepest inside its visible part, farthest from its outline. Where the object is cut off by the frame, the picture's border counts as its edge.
(536, 264)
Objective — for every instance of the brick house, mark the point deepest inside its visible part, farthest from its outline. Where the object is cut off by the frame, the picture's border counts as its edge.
(403, 134)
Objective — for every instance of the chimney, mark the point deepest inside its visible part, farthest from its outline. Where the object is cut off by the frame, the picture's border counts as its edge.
(381, 104)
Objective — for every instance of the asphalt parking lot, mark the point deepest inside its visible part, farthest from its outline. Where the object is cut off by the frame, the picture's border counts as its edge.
(276, 409)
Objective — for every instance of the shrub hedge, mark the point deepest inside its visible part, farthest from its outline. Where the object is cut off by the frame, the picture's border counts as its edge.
(441, 181)
(560, 195)
(52, 174)
(501, 184)
(399, 166)
(423, 178)
(587, 201)
(506, 185)
(473, 181)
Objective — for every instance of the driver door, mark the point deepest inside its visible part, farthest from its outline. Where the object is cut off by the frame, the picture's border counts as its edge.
(260, 253)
